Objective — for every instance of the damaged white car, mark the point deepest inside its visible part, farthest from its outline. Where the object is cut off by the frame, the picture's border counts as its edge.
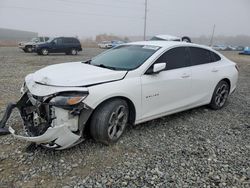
(131, 83)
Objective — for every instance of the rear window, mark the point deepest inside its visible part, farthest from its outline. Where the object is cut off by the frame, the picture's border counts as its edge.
(71, 41)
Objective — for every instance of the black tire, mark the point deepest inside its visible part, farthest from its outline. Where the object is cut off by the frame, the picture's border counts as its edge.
(106, 126)
(44, 51)
(28, 49)
(73, 51)
(220, 95)
(186, 39)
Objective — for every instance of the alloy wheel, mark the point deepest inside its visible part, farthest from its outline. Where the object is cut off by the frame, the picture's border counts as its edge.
(45, 52)
(117, 122)
(221, 95)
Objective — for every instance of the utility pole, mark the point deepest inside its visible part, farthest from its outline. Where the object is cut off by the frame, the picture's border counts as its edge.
(145, 19)
(212, 37)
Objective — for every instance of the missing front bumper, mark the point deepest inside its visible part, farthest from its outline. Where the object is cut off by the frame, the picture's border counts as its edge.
(58, 128)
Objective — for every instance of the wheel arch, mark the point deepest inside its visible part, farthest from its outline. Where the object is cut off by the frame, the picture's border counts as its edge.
(132, 109)
(228, 81)
(223, 79)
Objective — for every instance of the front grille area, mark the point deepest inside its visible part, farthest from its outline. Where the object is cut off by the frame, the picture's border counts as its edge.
(36, 115)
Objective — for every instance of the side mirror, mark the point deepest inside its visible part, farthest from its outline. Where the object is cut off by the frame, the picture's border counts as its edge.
(158, 67)
(53, 43)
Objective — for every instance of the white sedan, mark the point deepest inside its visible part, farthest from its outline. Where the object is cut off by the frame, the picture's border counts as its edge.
(132, 83)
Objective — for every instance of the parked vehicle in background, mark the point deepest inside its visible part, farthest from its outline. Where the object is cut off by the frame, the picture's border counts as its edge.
(105, 45)
(27, 47)
(219, 47)
(132, 83)
(171, 38)
(110, 44)
(116, 43)
(67, 45)
(246, 51)
(240, 48)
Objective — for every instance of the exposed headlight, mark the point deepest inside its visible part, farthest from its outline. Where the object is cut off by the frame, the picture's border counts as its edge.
(68, 99)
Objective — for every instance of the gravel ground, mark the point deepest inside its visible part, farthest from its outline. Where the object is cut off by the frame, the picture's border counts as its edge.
(195, 148)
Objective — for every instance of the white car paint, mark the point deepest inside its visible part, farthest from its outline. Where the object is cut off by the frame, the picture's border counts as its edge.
(75, 74)
(153, 96)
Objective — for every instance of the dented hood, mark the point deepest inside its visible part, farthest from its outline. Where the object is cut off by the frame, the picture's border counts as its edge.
(76, 74)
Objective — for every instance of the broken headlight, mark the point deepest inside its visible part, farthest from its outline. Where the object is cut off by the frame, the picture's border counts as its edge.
(68, 99)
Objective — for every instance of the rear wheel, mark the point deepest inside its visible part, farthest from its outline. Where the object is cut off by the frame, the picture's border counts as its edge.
(220, 95)
(109, 121)
(73, 51)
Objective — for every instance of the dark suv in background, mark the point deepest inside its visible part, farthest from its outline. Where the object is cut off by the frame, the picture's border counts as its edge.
(67, 45)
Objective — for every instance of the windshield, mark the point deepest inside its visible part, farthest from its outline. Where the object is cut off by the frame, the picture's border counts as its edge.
(126, 57)
(34, 40)
(50, 39)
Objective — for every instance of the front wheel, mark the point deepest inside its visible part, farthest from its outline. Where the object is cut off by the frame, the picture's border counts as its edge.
(220, 95)
(45, 51)
(109, 121)
(28, 49)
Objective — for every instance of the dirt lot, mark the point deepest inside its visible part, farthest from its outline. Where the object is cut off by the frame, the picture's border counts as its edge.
(196, 148)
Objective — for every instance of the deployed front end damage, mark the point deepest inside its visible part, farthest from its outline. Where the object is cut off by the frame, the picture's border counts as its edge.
(55, 121)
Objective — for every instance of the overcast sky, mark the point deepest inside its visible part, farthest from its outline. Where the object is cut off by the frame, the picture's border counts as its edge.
(126, 17)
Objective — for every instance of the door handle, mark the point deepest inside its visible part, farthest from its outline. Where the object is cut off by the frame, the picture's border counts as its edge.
(215, 70)
(185, 76)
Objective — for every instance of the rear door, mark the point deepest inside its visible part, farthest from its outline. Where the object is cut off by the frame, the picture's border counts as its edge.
(169, 90)
(205, 74)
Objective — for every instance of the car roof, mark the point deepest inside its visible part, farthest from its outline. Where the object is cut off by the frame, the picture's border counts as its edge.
(167, 44)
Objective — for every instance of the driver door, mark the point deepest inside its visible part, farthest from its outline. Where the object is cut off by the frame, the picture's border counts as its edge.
(57, 45)
(169, 90)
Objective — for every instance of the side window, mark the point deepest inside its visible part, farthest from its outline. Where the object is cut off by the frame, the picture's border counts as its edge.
(200, 56)
(46, 39)
(41, 39)
(68, 40)
(215, 57)
(175, 58)
(58, 41)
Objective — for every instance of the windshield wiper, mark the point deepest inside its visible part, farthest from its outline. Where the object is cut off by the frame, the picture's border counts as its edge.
(87, 61)
(106, 67)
